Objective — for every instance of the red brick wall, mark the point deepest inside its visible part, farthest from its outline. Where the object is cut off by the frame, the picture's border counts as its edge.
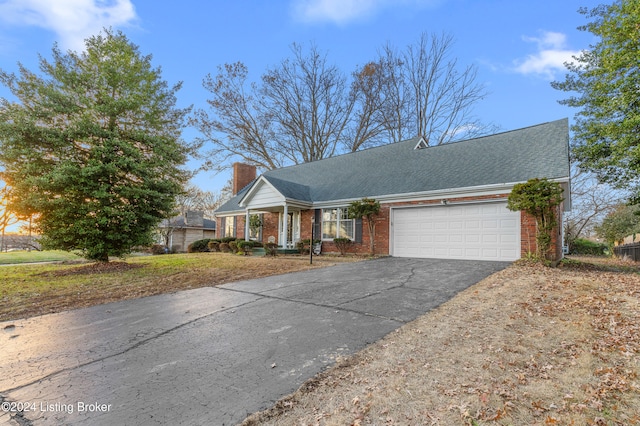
(527, 228)
(243, 175)
(240, 227)
(270, 227)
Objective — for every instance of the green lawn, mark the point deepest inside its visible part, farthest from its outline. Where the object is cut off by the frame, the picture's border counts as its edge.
(34, 289)
(16, 257)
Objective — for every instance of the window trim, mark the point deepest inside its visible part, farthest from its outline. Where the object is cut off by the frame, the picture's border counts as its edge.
(339, 219)
(230, 225)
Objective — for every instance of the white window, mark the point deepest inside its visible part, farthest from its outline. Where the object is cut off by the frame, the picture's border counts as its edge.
(336, 224)
(230, 227)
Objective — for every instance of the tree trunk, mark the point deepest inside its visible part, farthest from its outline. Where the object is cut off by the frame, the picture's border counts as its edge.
(372, 233)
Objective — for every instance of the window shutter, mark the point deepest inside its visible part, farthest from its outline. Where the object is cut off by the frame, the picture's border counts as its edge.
(358, 231)
(317, 228)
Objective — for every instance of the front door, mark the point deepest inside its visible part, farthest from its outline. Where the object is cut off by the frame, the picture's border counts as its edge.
(293, 229)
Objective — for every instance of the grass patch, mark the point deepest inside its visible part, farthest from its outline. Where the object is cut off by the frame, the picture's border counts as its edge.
(34, 256)
(30, 290)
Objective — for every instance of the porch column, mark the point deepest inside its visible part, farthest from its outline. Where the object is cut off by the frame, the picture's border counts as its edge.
(285, 226)
(246, 225)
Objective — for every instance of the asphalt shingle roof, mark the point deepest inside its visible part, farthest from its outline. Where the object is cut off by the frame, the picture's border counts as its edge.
(514, 156)
(178, 222)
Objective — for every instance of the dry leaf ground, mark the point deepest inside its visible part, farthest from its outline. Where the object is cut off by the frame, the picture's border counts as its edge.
(527, 346)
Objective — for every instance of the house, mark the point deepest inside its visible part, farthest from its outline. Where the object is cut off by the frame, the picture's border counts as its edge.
(446, 201)
(180, 231)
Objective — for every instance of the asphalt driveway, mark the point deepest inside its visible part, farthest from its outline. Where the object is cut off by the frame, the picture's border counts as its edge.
(214, 355)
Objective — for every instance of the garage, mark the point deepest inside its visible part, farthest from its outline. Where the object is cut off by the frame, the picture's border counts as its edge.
(480, 231)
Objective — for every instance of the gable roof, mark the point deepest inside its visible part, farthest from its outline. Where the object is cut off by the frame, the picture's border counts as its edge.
(398, 168)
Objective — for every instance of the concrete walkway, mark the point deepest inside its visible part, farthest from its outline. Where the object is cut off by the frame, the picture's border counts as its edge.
(212, 356)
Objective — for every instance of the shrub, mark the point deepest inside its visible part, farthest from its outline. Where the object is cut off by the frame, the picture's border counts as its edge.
(233, 245)
(582, 246)
(176, 248)
(224, 247)
(227, 239)
(539, 198)
(199, 246)
(159, 249)
(271, 249)
(214, 245)
(342, 244)
(302, 248)
(303, 245)
(245, 246)
(369, 208)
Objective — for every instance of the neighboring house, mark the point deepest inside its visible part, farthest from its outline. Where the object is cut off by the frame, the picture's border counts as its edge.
(180, 231)
(446, 201)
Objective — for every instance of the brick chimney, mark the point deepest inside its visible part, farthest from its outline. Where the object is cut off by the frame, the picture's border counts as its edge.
(194, 218)
(243, 175)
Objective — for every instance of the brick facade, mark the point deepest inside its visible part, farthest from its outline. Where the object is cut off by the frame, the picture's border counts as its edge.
(528, 228)
(382, 237)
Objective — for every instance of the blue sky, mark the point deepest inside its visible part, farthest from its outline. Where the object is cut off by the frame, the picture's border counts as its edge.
(518, 46)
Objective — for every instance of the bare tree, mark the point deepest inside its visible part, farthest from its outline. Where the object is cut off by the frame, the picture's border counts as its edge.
(425, 92)
(591, 203)
(297, 114)
(443, 94)
(310, 105)
(367, 124)
(194, 198)
(305, 109)
(237, 125)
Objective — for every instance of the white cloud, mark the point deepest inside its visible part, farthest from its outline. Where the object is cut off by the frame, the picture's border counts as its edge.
(550, 58)
(344, 11)
(72, 20)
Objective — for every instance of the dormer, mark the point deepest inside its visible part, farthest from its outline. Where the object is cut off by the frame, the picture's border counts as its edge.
(422, 143)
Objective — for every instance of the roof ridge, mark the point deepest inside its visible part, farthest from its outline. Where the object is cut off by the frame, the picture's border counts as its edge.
(405, 141)
(413, 139)
(498, 134)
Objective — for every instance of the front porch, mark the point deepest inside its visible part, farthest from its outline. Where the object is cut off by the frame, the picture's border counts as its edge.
(279, 224)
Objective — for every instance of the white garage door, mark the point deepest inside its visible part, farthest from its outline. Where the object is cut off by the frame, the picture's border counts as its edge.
(484, 231)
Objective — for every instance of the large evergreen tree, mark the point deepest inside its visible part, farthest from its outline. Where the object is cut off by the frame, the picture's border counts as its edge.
(606, 78)
(93, 147)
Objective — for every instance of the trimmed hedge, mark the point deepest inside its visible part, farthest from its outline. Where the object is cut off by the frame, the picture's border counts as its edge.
(199, 246)
(245, 246)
